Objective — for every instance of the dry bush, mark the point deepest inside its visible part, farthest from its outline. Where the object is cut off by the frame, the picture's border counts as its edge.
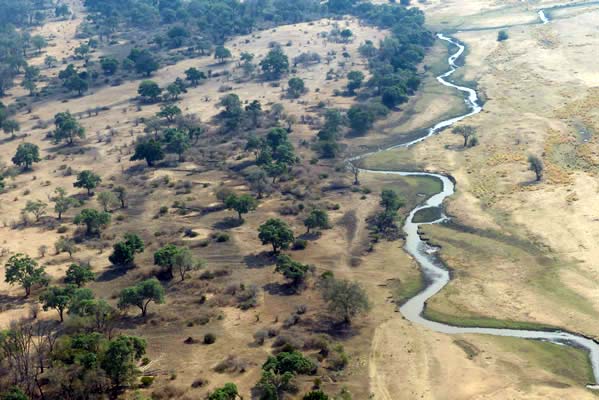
(231, 364)
(167, 392)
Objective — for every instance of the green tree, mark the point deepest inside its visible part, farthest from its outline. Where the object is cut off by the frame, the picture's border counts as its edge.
(109, 65)
(62, 203)
(227, 392)
(170, 112)
(272, 385)
(149, 91)
(57, 298)
(296, 87)
(292, 270)
(141, 295)
(23, 270)
(243, 204)
(121, 194)
(26, 155)
(67, 128)
(177, 142)
(355, 79)
(50, 61)
(79, 275)
(317, 219)
(39, 42)
(145, 63)
(148, 150)
(221, 53)
(275, 64)
(316, 395)
(194, 76)
(93, 220)
(277, 233)
(391, 201)
(290, 361)
(166, 258)
(344, 298)
(37, 208)
(88, 180)
(466, 131)
(393, 95)
(124, 251)
(77, 84)
(535, 164)
(183, 262)
(121, 358)
(360, 118)
(10, 126)
(174, 91)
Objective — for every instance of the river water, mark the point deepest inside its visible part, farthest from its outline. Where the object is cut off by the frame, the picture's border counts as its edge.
(435, 274)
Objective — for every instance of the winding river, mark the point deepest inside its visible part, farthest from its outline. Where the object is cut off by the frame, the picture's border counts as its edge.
(435, 274)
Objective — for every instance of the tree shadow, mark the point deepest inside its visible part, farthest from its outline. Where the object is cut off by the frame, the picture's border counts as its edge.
(112, 274)
(259, 260)
(312, 236)
(11, 302)
(280, 289)
(334, 328)
(228, 223)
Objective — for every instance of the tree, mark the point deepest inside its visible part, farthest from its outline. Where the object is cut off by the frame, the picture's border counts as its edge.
(166, 257)
(50, 61)
(227, 392)
(67, 128)
(316, 395)
(292, 270)
(109, 65)
(466, 131)
(360, 118)
(79, 275)
(345, 298)
(39, 42)
(145, 63)
(93, 220)
(174, 91)
(184, 262)
(124, 251)
(277, 233)
(141, 295)
(149, 91)
(88, 180)
(290, 361)
(355, 79)
(121, 194)
(243, 204)
(346, 35)
(14, 393)
(195, 76)
(221, 53)
(535, 164)
(37, 208)
(273, 385)
(10, 126)
(233, 112)
(391, 201)
(62, 203)
(148, 150)
(275, 64)
(317, 219)
(107, 200)
(82, 51)
(26, 155)
(257, 179)
(23, 270)
(393, 95)
(170, 112)
(296, 87)
(77, 84)
(57, 298)
(121, 358)
(65, 245)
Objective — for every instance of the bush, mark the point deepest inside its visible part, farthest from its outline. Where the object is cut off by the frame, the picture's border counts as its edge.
(502, 36)
(209, 338)
(300, 244)
(260, 337)
(146, 381)
(198, 383)
(221, 237)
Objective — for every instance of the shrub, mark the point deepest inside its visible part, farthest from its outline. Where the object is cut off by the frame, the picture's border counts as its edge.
(300, 244)
(146, 381)
(502, 36)
(209, 338)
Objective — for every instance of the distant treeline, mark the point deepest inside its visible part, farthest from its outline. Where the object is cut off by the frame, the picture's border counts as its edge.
(393, 63)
